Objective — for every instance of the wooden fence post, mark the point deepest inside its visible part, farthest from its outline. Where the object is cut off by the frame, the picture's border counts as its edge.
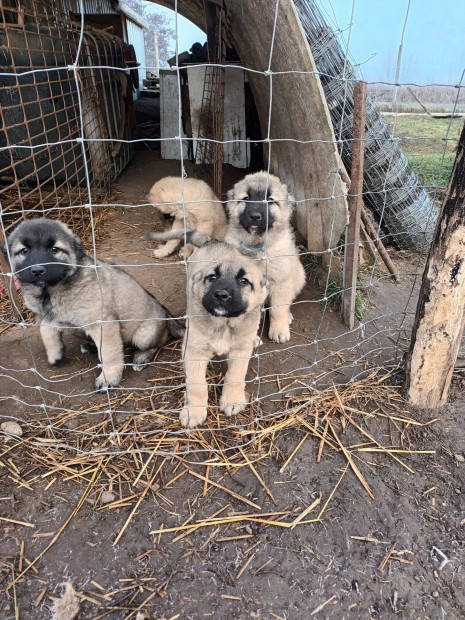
(354, 199)
(439, 320)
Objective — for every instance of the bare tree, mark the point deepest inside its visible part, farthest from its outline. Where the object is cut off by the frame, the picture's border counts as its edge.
(159, 25)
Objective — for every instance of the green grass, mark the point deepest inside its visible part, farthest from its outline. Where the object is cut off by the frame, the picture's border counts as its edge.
(429, 144)
(432, 169)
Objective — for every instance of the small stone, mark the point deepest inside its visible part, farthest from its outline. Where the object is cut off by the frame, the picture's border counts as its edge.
(155, 487)
(107, 497)
(458, 491)
(459, 458)
(72, 423)
(435, 594)
(11, 428)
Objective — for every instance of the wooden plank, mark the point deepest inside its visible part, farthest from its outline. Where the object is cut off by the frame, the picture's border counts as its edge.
(171, 146)
(371, 231)
(439, 320)
(355, 206)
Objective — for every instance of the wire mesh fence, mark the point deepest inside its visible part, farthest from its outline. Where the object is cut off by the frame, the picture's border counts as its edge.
(64, 138)
(52, 113)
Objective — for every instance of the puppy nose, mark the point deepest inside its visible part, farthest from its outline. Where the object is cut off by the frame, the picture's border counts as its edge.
(256, 217)
(222, 295)
(37, 270)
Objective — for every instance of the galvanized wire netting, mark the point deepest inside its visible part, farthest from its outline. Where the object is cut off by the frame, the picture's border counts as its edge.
(64, 141)
(403, 208)
(43, 144)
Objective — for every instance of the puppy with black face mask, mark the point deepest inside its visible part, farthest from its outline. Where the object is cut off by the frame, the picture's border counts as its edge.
(225, 291)
(66, 288)
(260, 208)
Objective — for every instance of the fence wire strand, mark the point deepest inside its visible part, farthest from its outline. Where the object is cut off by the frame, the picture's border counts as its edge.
(316, 357)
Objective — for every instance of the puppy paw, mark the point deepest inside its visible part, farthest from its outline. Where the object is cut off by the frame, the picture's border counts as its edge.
(185, 252)
(160, 253)
(106, 380)
(233, 402)
(88, 347)
(54, 360)
(140, 359)
(190, 417)
(279, 333)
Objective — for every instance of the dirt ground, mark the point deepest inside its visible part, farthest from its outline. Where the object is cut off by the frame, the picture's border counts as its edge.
(299, 508)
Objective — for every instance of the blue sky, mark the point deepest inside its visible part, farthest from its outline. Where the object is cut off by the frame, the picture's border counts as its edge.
(434, 39)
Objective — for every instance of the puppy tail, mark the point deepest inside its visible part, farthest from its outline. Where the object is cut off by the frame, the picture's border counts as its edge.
(175, 328)
(192, 236)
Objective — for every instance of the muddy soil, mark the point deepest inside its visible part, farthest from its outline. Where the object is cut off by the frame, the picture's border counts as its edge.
(396, 554)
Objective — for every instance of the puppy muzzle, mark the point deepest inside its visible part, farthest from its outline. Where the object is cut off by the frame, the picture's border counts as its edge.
(222, 302)
(256, 218)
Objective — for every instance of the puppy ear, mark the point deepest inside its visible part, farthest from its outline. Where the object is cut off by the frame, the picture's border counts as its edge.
(78, 248)
(197, 277)
(291, 201)
(229, 199)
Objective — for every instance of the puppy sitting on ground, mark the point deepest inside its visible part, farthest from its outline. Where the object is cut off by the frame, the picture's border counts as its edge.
(260, 208)
(193, 204)
(66, 289)
(225, 291)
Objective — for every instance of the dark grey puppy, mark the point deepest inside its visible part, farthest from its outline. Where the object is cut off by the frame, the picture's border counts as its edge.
(65, 288)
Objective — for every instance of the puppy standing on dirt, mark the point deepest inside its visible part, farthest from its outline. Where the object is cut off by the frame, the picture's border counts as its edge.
(193, 204)
(61, 284)
(260, 209)
(225, 291)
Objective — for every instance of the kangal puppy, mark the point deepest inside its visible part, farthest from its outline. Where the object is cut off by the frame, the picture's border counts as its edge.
(260, 208)
(225, 291)
(66, 289)
(193, 205)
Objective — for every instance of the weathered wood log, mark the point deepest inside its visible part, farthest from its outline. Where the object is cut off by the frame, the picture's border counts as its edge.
(439, 320)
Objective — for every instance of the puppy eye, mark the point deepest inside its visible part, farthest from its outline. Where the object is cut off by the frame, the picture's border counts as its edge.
(211, 278)
(23, 251)
(55, 250)
(244, 282)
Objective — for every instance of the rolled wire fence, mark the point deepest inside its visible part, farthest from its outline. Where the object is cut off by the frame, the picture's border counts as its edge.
(401, 206)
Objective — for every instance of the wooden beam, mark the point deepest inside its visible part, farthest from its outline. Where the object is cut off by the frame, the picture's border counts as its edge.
(354, 198)
(371, 231)
(439, 320)
(374, 234)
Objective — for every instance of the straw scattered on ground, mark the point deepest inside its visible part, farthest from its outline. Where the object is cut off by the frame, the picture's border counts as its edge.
(139, 451)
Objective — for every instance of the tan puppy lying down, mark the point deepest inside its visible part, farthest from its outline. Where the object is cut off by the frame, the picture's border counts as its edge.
(193, 204)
